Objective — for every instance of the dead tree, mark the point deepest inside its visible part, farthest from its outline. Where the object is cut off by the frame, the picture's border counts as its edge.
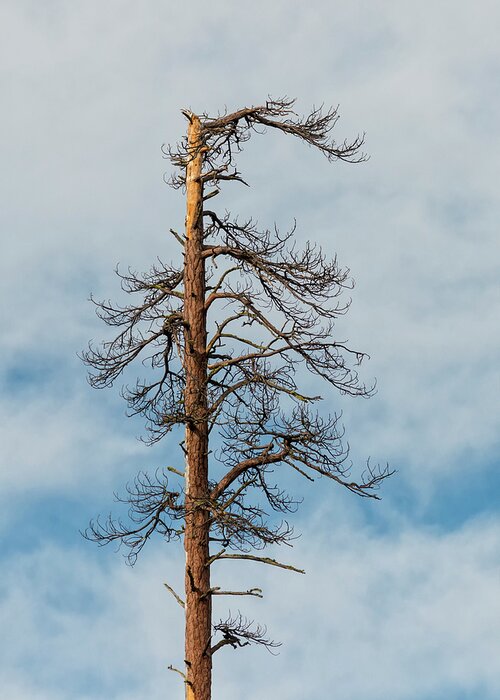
(226, 335)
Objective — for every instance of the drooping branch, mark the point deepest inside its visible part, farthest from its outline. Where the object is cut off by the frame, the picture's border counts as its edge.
(265, 457)
(315, 129)
(306, 441)
(224, 135)
(251, 557)
(280, 268)
(240, 632)
(153, 508)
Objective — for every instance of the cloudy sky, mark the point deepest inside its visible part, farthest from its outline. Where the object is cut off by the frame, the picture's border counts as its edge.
(402, 597)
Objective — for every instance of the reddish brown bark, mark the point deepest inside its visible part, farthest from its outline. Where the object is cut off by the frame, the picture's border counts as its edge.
(196, 539)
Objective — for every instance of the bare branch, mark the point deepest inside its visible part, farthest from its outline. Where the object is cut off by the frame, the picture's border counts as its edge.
(176, 596)
(240, 632)
(264, 458)
(262, 560)
(278, 114)
(176, 670)
(250, 557)
(152, 508)
(257, 592)
(176, 471)
(177, 236)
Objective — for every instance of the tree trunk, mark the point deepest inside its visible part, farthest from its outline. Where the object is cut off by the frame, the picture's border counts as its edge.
(196, 538)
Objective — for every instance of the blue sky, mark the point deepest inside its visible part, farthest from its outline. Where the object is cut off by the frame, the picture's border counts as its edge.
(402, 598)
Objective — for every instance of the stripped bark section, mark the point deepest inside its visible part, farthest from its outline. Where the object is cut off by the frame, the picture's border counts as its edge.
(196, 537)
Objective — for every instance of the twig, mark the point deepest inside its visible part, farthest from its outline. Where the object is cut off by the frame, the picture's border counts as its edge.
(262, 560)
(177, 597)
(176, 670)
(257, 592)
(177, 236)
(176, 471)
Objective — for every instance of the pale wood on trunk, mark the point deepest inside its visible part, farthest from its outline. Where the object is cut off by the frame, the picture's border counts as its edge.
(196, 538)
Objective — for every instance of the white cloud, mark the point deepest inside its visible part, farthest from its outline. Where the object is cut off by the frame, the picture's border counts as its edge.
(75, 628)
(57, 444)
(410, 615)
(89, 93)
(89, 101)
(401, 616)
